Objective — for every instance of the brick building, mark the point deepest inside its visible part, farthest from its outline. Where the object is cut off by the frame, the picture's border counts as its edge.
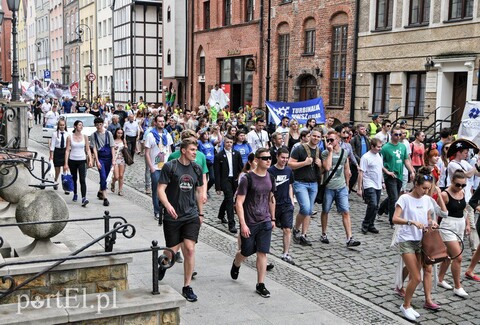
(417, 60)
(5, 45)
(311, 53)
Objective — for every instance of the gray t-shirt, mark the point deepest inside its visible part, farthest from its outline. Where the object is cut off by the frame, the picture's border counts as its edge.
(182, 182)
(99, 140)
(338, 180)
(256, 206)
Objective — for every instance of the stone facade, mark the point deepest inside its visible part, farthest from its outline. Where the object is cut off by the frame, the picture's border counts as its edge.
(162, 317)
(401, 51)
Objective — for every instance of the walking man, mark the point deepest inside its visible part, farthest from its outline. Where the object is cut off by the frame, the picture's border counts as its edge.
(157, 149)
(256, 210)
(336, 189)
(258, 138)
(305, 162)
(384, 134)
(227, 166)
(132, 132)
(370, 180)
(284, 199)
(180, 188)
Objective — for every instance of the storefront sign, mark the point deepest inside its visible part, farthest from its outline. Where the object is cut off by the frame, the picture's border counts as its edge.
(250, 64)
(233, 52)
(301, 111)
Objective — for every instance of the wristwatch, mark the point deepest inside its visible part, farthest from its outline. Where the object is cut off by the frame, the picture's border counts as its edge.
(409, 223)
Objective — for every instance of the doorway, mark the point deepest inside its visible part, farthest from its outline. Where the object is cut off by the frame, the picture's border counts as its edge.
(236, 97)
(459, 98)
(308, 88)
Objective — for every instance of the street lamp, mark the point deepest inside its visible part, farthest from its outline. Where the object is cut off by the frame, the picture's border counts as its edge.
(80, 31)
(13, 6)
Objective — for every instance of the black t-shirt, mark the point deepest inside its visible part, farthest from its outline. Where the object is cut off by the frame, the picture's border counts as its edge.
(182, 182)
(283, 179)
(122, 116)
(310, 173)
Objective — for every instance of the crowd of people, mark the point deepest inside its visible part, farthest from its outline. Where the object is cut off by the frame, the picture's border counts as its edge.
(262, 170)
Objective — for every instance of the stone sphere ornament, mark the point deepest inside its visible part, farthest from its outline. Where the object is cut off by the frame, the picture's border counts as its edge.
(12, 190)
(42, 205)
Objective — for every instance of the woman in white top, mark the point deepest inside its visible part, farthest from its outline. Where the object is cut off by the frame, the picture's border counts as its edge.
(78, 148)
(119, 165)
(58, 146)
(414, 211)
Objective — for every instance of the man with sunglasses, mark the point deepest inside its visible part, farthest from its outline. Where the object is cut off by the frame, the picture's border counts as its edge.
(395, 157)
(384, 134)
(306, 171)
(336, 189)
(255, 207)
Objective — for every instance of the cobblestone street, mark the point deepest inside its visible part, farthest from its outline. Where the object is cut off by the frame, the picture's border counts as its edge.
(337, 277)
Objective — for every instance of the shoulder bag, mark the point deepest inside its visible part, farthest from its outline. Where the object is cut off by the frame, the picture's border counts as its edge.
(321, 187)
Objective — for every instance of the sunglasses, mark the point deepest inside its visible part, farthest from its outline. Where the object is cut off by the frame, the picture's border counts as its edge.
(428, 177)
(265, 158)
(388, 125)
(460, 185)
(330, 140)
(397, 134)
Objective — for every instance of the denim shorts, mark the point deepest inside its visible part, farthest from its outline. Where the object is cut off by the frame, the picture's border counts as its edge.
(410, 247)
(305, 194)
(340, 197)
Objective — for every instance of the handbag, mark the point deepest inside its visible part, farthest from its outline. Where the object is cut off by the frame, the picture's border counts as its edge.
(67, 182)
(434, 249)
(126, 156)
(323, 186)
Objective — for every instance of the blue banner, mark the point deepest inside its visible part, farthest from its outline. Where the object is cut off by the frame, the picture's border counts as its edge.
(301, 111)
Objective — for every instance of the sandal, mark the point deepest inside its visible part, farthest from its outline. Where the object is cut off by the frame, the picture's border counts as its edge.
(112, 187)
(433, 306)
(472, 277)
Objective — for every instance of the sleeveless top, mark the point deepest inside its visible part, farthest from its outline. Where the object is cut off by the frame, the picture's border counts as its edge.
(291, 142)
(455, 207)
(417, 155)
(77, 149)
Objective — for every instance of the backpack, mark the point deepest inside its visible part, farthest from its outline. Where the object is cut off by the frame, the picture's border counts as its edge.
(249, 181)
(196, 168)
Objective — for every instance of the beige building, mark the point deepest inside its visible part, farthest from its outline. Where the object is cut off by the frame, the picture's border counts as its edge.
(417, 60)
(22, 42)
(87, 31)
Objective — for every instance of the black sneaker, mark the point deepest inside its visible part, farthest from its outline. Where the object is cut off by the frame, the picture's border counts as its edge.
(270, 266)
(304, 241)
(188, 293)
(296, 236)
(178, 258)
(262, 291)
(352, 242)
(100, 195)
(234, 271)
(85, 201)
(364, 231)
(324, 239)
(373, 230)
(106, 203)
(162, 268)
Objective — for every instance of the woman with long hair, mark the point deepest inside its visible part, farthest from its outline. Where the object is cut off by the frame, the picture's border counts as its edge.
(431, 160)
(78, 149)
(119, 166)
(418, 150)
(58, 146)
(414, 211)
(442, 166)
(456, 222)
(293, 135)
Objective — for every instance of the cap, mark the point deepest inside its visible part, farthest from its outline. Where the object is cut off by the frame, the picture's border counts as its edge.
(403, 122)
(374, 116)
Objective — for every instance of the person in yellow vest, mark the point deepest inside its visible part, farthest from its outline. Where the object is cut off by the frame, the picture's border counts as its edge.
(374, 126)
(226, 113)
(403, 123)
(128, 106)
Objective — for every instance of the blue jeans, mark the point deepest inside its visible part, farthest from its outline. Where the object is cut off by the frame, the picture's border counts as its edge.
(372, 199)
(155, 176)
(305, 194)
(340, 197)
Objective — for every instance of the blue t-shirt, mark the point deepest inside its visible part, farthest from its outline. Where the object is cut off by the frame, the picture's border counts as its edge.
(439, 146)
(67, 107)
(244, 150)
(364, 147)
(283, 179)
(208, 149)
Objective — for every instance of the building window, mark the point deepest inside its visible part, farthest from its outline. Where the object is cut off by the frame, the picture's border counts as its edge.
(309, 42)
(381, 93)
(384, 14)
(416, 93)
(338, 65)
(249, 10)
(160, 46)
(160, 13)
(227, 15)
(202, 65)
(169, 57)
(169, 14)
(460, 9)
(283, 72)
(419, 12)
(206, 15)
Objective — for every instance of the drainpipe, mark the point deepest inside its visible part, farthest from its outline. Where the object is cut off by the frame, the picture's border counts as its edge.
(260, 66)
(354, 61)
(191, 76)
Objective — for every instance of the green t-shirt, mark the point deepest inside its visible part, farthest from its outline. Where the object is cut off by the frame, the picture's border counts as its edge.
(338, 180)
(199, 159)
(394, 156)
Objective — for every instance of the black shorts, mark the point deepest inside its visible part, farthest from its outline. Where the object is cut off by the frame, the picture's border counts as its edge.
(59, 157)
(176, 231)
(259, 240)
(284, 216)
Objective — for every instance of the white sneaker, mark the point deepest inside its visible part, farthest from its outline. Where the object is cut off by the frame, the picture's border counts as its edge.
(414, 312)
(445, 285)
(460, 292)
(408, 313)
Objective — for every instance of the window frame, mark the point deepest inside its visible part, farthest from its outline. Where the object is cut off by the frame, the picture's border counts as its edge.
(227, 12)
(338, 66)
(388, 15)
(283, 67)
(385, 102)
(206, 15)
(463, 16)
(310, 35)
(249, 10)
(422, 20)
(418, 109)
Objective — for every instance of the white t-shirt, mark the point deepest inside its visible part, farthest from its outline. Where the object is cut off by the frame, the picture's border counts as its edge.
(284, 131)
(383, 137)
(453, 165)
(46, 107)
(51, 118)
(257, 140)
(414, 210)
(371, 164)
(158, 153)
